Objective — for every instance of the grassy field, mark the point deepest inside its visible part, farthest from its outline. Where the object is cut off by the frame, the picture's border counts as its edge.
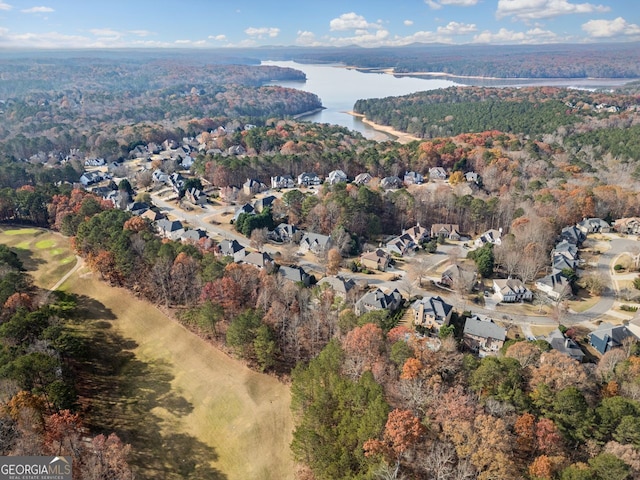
(188, 410)
(45, 254)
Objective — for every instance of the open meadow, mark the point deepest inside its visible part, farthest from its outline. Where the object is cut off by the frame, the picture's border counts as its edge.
(188, 410)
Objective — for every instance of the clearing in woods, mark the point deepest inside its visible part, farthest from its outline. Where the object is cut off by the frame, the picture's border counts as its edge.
(188, 410)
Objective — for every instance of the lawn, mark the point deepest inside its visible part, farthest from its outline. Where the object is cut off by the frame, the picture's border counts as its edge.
(188, 410)
(45, 254)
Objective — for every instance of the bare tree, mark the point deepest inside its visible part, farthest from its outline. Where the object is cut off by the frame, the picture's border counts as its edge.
(258, 238)
(418, 270)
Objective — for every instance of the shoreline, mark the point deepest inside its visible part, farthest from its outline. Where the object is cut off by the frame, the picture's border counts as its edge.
(400, 137)
(307, 113)
(533, 80)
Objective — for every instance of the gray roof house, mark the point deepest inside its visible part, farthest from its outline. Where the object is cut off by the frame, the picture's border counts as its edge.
(565, 345)
(594, 225)
(560, 262)
(169, 228)
(490, 236)
(284, 181)
(192, 235)
(437, 173)
(378, 300)
(511, 290)
(608, 336)
(262, 203)
(336, 176)
(308, 179)
(566, 249)
(362, 178)
(573, 235)
(342, 286)
(401, 245)
(431, 312)
(246, 208)
(295, 274)
(388, 183)
(314, 242)
(555, 285)
(232, 248)
(413, 178)
(482, 335)
(446, 230)
(259, 259)
(284, 232)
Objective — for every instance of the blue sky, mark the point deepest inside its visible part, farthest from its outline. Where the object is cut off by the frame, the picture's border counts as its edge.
(368, 23)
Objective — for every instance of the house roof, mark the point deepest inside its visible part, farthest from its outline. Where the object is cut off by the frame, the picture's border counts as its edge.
(294, 273)
(433, 306)
(446, 228)
(260, 259)
(565, 345)
(169, 225)
(194, 234)
(608, 336)
(377, 255)
(483, 327)
(338, 283)
(379, 300)
(315, 238)
(510, 285)
(556, 281)
(391, 182)
(362, 178)
(229, 247)
(573, 235)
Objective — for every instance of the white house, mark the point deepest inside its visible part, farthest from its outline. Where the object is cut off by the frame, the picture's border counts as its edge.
(511, 290)
(336, 176)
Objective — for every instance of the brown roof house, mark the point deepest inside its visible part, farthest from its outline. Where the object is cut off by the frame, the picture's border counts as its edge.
(376, 260)
(445, 230)
(512, 290)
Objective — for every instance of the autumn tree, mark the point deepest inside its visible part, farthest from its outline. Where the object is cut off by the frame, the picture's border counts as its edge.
(334, 260)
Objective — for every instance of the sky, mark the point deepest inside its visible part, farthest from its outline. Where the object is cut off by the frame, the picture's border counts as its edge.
(367, 23)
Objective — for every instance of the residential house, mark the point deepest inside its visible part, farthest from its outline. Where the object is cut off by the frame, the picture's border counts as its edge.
(457, 277)
(566, 249)
(252, 187)
(171, 229)
(608, 336)
(262, 203)
(308, 179)
(314, 242)
(482, 335)
(232, 248)
(630, 225)
(431, 312)
(295, 274)
(186, 162)
(282, 182)
(471, 177)
(511, 290)
(153, 215)
(418, 234)
(437, 173)
(246, 208)
(490, 236)
(573, 235)
(594, 225)
(445, 230)
(378, 300)
(336, 176)
(193, 235)
(176, 181)
(401, 245)
(341, 286)
(362, 179)
(413, 178)
(195, 196)
(560, 262)
(89, 178)
(159, 176)
(555, 286)
(94, 162)
(376, 260)
(565, 345)
(259, 259)
(137, 208)
(392, 182)
(285, 233)
(236, 150)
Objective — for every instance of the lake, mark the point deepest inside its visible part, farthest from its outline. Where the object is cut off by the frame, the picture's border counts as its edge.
(339, 88)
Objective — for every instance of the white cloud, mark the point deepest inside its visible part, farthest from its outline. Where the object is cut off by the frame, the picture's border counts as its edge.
(261, 32)
(306, 38)
(219, 38)
(37, 10)
(140, 33)
(535, 9)
(437, 5)
(611, 28)
(106, 32)
(532, 36)
(363, 39)
(352, 21)
(5, 6)
(455, 28)
(408, 23)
